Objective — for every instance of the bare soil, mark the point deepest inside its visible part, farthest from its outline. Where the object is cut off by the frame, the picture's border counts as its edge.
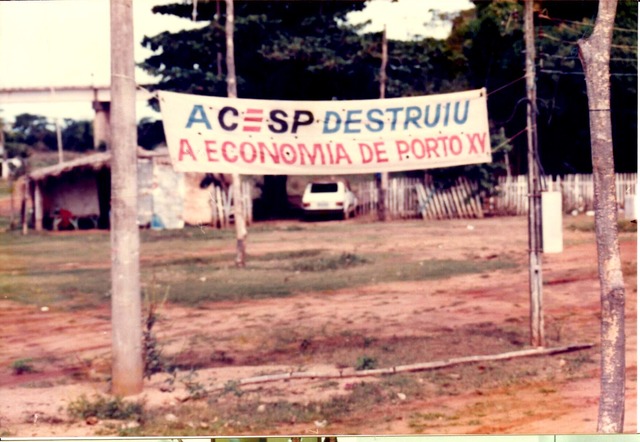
(436, 319)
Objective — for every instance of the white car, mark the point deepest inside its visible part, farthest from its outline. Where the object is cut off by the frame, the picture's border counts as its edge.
(329, 198)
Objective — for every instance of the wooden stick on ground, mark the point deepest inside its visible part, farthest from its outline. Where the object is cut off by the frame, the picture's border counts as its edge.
(424, 366)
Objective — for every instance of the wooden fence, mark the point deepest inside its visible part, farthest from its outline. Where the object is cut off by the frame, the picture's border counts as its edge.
(222, 205)
(402, 200)
(577, 192)
(412, 198)
(459, 201)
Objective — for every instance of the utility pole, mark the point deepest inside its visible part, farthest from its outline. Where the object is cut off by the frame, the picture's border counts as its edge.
(232, 92)
(533, 185)
(126, 312)
(383, 183)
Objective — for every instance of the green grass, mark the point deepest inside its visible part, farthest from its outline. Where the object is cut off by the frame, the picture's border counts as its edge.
(5, 188)
(588, 225)
(239, 413)
(196, 265)
(105, 408)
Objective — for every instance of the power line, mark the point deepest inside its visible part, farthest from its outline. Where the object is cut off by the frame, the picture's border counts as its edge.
(508, 140)
(615, 28)
(635, 60)
(506, 85)
(618, 74)
(626, 47)
(551, 37)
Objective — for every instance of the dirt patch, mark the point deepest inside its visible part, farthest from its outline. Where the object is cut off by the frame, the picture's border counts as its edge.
(392, 323)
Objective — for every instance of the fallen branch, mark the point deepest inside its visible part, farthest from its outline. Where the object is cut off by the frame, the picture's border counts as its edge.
(424, 366)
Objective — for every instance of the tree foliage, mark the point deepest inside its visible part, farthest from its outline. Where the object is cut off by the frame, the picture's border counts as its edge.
(302, 50)
(33, 130)
(30, 131)
(150, 133)
(77, 135)
(306, 50)
(489, 38)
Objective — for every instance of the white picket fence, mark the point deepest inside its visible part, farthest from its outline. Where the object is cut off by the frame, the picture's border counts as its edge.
(222, 207)
(412, 198)
(577, 192)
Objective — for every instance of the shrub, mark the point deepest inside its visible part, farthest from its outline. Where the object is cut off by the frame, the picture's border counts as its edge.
(366, 363)
(345, 260)
(22, 366)
(106, 408)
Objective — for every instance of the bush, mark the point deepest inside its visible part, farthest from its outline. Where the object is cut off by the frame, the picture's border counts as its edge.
(366, 363)
(106, 408)
(22, 366)
(345, 260)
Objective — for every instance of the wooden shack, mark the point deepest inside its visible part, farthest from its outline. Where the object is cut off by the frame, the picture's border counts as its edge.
(76, 194)
(81, 188)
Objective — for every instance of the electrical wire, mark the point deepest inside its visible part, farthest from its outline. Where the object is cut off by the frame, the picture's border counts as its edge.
(623, 47)
(506, 85)
(513, 113)
(614, 74)
(551, 37)
(578, 58)
(508, 140)
(615, 28)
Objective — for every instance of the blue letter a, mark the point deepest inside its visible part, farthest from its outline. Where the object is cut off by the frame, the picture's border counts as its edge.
(198, 116)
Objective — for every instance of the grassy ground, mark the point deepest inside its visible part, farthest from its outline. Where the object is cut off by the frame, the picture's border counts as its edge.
(470, 299)
(196, 265)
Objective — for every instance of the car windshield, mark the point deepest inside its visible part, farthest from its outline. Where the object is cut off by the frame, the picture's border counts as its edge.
(324, 187)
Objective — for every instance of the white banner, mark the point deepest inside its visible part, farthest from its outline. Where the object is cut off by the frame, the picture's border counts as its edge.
(270, 137)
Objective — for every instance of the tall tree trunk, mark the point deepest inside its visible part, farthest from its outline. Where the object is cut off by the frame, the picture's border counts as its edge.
(595, 55)
(232, 91)
(127, 367)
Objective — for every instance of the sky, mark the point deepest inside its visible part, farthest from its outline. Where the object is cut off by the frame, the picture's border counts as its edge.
(66, 42)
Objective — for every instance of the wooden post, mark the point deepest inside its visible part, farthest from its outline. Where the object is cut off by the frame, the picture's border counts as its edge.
(232, 91)
(533, 186)
(4, 167)
(24, 211)
(37, 206)
(383, 182)
(126, 316)
(594, 53)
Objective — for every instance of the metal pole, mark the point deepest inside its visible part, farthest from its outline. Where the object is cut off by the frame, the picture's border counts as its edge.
(533, 186)
(126, 316)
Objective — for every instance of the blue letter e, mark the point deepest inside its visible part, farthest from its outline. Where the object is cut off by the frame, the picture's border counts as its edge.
(327, 122)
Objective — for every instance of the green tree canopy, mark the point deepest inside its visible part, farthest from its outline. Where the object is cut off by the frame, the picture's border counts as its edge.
(77, 135)
(307, 50)
(490, 40)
